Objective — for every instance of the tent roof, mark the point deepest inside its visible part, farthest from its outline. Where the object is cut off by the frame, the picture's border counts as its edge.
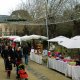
(71, 44)
(58, 39)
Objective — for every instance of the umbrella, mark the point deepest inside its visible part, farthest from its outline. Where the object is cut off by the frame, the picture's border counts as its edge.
(58, 39)
(70, 44)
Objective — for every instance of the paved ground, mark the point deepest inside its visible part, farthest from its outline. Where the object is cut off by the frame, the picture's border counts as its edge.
(13, 73)
(43, 73)
(35, 72)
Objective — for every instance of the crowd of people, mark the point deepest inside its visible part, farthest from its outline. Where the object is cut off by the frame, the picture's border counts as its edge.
(13, 57)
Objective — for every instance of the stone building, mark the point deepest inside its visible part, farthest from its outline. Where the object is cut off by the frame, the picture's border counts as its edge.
(6, 28)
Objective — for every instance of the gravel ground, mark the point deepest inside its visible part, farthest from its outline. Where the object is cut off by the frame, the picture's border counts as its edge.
(13, 73)
(44, 73)
(3, 72)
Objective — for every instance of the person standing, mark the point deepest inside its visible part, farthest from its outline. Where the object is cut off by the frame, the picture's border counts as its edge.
(5, 54)
(12, 54)
(26, 53)
(8, 66)
(18, 56)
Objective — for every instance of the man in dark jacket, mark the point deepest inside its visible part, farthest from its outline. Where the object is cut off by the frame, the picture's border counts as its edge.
(26, 53)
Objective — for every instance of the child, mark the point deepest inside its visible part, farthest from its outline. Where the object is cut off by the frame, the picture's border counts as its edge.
(8, 65)
(22, 73)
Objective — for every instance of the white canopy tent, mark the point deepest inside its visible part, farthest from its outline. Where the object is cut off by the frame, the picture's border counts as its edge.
(18, 39)
(31, 37)
(34, 36)
(10, 37)
(58, 39)
(25, 38)
(13, 37)
(44, 38)
(76, 37)
(38, 37)
(71, 44)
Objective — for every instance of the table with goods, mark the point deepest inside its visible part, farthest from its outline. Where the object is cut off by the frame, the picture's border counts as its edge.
(69, 67)
(36, 54)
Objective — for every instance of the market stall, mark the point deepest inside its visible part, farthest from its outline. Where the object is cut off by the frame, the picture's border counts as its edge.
(35, 57)
(66, 65)
(57, 65)
(72, 70)
(36, 53)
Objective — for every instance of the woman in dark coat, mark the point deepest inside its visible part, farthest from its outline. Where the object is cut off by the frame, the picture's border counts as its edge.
(12, 54)
(8, 65)
(5, 54)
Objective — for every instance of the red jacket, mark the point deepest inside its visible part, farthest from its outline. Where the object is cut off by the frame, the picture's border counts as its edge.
(23, 74)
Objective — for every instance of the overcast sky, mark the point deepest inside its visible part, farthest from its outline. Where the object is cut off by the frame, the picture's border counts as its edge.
(7, 5)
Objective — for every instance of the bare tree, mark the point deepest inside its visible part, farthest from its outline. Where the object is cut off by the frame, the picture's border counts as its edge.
(58, 11)
(55, 8)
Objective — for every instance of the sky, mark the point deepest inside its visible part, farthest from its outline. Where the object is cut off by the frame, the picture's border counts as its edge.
(6, 6)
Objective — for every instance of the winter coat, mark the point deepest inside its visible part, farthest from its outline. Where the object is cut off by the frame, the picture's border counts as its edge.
(25, 50)
(5, 54)
(18, 56)
(22, 74)
(12, 54)
(8, 65)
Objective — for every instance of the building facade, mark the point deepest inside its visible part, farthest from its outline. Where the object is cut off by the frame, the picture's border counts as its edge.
(6, 29)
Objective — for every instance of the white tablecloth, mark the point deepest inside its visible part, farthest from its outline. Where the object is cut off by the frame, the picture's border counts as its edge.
(35, 57)
(57, 65)
(63, 67)
(68, 71)
(74, 72)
